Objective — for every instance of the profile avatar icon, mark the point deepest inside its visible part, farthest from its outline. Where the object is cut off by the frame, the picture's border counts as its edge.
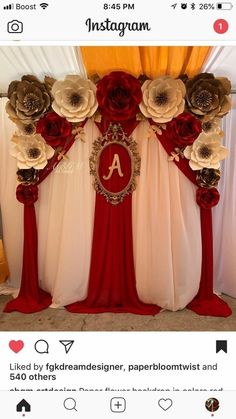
(212, 404)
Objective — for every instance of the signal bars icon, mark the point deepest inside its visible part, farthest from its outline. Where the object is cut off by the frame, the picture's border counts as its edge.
(9, 7)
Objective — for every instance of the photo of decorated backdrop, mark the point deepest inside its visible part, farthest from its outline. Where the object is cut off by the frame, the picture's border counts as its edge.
(110, 164)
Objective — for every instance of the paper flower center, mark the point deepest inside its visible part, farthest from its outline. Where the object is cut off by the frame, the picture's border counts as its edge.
(31, 102)
(206, 126)
(75, 99)
(205, 152)
(203, 99)
(161, 98)
(29, 129)
(33, 153)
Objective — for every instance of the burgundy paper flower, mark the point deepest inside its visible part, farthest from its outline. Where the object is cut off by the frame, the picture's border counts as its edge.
(207, 198)
(184, 129)
(118, 96)
(27, 194)
(54, 129)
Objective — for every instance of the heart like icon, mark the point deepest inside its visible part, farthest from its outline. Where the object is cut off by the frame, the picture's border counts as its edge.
(16, 345)
(165, 404)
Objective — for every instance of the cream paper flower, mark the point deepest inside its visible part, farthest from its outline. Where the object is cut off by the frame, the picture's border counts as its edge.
(31, 151)
(74, 98)
(206, 151)
(163, 99)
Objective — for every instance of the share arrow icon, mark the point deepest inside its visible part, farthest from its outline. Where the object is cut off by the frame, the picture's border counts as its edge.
(67, 344)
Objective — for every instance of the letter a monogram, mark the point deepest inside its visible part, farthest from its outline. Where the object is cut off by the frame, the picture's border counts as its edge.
(115, 166)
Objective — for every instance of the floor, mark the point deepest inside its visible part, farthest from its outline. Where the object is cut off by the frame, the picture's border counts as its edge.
(61, 320)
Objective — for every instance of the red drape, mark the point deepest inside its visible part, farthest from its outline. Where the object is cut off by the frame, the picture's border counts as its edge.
(31, 298)
(206, 302)
(112, 285)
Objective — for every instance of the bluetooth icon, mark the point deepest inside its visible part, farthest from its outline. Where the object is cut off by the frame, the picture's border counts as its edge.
(193, 6)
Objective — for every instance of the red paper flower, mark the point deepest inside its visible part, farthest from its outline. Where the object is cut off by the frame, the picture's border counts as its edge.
(54, 129)
(184, 129)
(118, 96)
(27, 195)
(207, 198)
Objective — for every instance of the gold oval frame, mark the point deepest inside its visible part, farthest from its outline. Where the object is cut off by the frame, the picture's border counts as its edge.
(115, 135)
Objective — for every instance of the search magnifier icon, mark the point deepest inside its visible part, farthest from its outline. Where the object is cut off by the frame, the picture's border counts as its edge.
(70, 404)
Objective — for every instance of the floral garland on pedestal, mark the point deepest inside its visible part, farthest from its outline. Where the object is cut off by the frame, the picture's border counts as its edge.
(185, 114)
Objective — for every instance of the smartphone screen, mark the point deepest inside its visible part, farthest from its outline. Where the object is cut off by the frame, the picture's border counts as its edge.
(117, 209)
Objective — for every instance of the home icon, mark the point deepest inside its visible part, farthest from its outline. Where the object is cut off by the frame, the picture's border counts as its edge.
(23, 406)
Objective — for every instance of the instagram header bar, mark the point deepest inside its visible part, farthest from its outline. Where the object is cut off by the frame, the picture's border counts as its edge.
(118, 23)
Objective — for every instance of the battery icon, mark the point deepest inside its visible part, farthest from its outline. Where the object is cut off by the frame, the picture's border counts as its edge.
(224, 6)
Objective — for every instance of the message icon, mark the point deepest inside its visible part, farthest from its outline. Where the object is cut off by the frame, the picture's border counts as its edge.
(41, 346)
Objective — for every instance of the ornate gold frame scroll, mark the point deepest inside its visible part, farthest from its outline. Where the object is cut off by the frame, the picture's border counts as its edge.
(115, 135)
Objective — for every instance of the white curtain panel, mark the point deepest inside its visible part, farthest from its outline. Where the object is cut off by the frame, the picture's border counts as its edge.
(40, 61)
(166, 227)
(65, 224)
(222, 63)
(12, 210)
(225, 214)
(65, 213)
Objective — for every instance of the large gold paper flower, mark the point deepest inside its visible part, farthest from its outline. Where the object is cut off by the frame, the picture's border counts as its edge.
(28, 100)
(31, 151)
(208, 96)
(74, 98)
(163, 99)
(206, 151)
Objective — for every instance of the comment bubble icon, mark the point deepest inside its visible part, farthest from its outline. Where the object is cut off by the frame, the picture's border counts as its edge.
(41, 346)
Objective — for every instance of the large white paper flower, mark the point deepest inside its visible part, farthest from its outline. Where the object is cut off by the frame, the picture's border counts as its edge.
(74, 98)
(163, 99)
(31, 151)
(206, 151)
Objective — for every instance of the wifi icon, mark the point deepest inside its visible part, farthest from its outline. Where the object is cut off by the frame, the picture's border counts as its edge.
(44, 5)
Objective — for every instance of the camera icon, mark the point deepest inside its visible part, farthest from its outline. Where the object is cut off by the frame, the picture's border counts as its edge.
(15, 26)
(184, 5)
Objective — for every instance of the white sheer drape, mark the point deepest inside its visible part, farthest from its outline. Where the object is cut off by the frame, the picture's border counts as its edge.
(166, 225)
(12, 211)
(225, 214)
(222, 62)
(65, 223)
(40, 61)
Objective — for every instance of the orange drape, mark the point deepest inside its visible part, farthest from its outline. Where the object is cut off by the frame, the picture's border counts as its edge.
(152, 61)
